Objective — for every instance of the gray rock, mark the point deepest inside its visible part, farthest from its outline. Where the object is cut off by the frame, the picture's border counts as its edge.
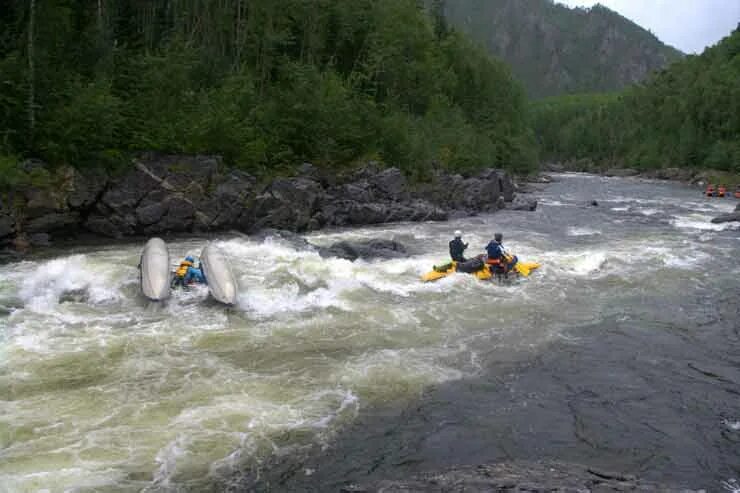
(181, 171)
(75, 296)
(726, 218)
(86, 188)
(389, 184)
(621, 172)
(39, 239)
(518, 476)
(368, 213)
(376, 248)
(42, 201)
(7, 225)
(150, 214)
(522, 203)
(288, 203)
(180, 216)
(55, 221)
(112, 226)
(127, 191)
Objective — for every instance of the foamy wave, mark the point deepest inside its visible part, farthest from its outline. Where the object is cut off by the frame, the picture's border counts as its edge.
(702, 223)
(574, 231)
(42, 289)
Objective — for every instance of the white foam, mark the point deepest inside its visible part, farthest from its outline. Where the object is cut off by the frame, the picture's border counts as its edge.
(42, 288)
(574, 231)
(702, 222)
(732, 425)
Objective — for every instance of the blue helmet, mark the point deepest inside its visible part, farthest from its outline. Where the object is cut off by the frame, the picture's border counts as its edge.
(189, 259)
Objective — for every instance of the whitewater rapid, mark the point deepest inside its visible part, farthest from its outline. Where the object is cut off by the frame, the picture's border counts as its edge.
(103, 390)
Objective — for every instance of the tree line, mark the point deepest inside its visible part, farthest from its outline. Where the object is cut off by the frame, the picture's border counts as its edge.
(265, 83)
(687, 115)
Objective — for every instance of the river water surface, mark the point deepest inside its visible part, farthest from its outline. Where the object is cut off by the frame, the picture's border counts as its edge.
(622, 351)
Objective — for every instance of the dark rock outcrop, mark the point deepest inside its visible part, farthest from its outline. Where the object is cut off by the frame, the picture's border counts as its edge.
(730, 217)
(522, 203)
(163, 194)
(621, 172)
(517, 476)
(375, 248)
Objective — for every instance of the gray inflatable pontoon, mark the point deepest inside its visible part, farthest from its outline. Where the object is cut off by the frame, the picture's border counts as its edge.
(221, 282)
(154, 270)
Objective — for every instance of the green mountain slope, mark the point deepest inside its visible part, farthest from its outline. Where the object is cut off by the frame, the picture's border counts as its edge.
(556, 50)
(687, 115)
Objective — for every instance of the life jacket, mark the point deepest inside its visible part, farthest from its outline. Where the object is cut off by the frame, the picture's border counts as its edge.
(721, 191)
(710, 190)
(183, 269)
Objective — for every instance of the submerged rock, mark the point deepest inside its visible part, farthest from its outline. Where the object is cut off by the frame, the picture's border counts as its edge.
(729, 217)
(367, 249)
(516, 476)
(524, 204)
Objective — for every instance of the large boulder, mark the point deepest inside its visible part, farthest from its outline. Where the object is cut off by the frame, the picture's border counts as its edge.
(180, 172)
(367, 249)
(482, 192)
(523, 203)
(287, 203)
(175, 214)
(389, 184)
(227, 202)
(55, 221)
(7, 225)
(7, 219)
(111, 225)
(85, 188)
(368, 213)
(621, 172)
(726, 218)
(127, 191)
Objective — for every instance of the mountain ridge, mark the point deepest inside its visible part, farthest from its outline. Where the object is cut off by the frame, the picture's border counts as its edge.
(554, 49)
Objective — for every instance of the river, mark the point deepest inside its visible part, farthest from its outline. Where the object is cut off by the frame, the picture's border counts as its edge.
(622, 351)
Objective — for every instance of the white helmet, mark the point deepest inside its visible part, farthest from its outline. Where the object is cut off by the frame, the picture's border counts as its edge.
(458, 234)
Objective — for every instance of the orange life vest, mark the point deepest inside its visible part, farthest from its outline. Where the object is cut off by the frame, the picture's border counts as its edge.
(183, 269)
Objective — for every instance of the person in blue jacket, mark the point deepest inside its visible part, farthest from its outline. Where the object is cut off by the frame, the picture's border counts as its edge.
(497, 260)
(188, 274)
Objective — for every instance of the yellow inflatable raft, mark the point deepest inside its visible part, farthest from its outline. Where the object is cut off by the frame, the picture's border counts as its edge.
(521, 268)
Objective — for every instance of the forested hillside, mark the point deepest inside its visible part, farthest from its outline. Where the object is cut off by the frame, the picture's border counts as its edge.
(685, 116)
(266, 83)
(555, 50)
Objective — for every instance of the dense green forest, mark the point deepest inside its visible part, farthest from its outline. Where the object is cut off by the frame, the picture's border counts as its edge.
(555, 50)
(265, 83)
(686, 116)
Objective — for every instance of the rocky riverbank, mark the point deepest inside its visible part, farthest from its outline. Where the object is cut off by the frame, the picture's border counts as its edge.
(166, 194)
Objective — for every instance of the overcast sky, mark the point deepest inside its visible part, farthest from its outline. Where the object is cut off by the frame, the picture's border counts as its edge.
(689, 25)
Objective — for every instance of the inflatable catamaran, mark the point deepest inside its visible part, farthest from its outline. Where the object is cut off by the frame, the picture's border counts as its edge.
(156, 276)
